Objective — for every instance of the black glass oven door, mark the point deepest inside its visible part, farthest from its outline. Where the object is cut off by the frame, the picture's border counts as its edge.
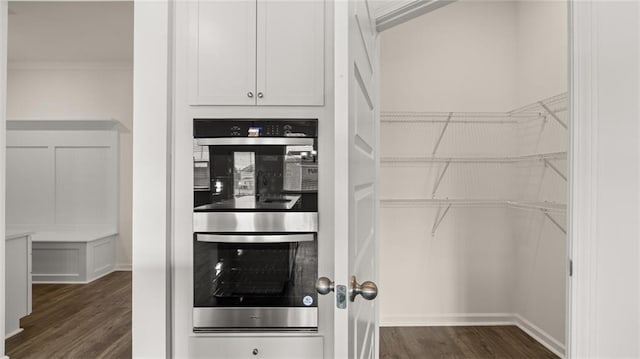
(249, 270)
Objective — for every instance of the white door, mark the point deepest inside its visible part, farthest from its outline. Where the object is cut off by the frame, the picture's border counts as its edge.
(356, 161)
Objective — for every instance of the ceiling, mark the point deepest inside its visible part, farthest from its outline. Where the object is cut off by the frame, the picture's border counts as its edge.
(102, 31)
(82, 31)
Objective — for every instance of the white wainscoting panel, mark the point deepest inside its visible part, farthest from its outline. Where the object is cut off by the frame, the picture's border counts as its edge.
(62, 177)
(72, 261)
(30, 190)
(85, 190)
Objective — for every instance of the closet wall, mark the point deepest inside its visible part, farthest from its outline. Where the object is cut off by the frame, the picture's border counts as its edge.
(481, 260)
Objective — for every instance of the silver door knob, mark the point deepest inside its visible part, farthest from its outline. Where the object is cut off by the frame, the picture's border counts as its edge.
(368, 290)
(260, 95)
(324, 285)
(250, 94)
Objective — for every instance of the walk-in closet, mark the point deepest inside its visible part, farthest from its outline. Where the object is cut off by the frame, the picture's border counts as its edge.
(473, 195)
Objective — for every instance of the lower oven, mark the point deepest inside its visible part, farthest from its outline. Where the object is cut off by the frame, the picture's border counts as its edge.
(255, 281)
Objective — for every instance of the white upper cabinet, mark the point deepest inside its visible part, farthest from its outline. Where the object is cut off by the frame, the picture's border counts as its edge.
(257, 52)
(290, 53)
(223, 53)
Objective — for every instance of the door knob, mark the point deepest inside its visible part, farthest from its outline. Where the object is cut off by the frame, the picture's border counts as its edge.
(250, 94)
(324, 285)
(260, 95)
(368, 290)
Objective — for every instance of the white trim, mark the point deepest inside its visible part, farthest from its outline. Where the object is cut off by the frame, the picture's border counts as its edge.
(123, 267)
(452, 319)
(66, 124)
(479, 319)
(402, 14)
(70, 275)
(341, 169)
(582, 210)
(151, 290)
(540, 336)
(17, 331)
(70, 65)
(3, 114)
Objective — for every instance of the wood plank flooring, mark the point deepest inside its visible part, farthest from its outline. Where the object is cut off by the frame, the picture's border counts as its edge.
(459, 342)
(94, 321)
(83, 321)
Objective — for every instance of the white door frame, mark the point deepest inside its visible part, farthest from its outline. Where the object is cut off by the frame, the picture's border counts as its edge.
(152, 163)
(604, 162)
(3, 121)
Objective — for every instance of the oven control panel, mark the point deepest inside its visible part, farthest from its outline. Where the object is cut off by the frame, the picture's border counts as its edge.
(212, 128)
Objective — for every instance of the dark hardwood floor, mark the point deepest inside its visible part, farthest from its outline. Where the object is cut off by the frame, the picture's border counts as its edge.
(88, 321)
(83, 321)
(459, 342)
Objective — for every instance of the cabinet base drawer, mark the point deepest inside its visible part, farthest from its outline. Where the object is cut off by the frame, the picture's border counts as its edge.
(285, 347)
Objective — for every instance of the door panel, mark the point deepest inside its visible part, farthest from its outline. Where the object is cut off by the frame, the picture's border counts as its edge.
(222, 77)
(294, 28)
(356, 116)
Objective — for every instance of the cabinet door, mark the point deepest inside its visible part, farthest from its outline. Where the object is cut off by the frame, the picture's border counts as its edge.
(290, 53)
(222, 52)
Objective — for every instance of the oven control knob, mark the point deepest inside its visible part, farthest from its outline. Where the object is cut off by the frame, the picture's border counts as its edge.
(324, 285)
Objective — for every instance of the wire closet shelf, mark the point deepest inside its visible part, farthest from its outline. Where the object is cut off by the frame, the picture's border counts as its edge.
(544, 110)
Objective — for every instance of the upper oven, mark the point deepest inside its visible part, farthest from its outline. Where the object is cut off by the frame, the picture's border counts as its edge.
(255, 175)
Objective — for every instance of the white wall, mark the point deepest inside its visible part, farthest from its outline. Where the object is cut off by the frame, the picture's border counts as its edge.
(540, 287)
(542, 51)
(482, 264)
(81, 91)
(458, 58)
(425, 68)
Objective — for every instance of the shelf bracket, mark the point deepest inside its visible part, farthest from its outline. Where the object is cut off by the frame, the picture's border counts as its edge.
(439, 219)
(553, 114)
(444, 129)
(437, 184)
(555, 169)
(555, 222)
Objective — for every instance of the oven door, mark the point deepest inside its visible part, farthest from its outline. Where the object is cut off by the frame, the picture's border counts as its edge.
(255, 175)
(250, 281)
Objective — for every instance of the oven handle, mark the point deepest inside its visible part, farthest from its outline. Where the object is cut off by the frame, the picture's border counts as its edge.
(250, 238)
(255, 141)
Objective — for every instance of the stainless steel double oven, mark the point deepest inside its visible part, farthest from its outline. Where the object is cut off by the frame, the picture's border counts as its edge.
(255, 219)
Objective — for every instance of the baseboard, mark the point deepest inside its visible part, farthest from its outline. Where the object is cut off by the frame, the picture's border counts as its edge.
(541, 336)
(453, 319)
(478, 319)
(9, 335)
(121, 267)
(74, 282)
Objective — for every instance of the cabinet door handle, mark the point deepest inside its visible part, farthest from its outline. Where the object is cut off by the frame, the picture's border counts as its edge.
(260, 95)
(250, 94)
